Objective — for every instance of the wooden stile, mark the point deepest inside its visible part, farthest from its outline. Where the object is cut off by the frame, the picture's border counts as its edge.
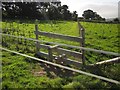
(50, 56)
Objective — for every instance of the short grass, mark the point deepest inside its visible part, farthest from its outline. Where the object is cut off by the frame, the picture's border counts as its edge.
(17, 73)
(98, 36)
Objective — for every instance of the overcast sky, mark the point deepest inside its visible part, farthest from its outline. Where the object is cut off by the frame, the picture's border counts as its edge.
(105, 8)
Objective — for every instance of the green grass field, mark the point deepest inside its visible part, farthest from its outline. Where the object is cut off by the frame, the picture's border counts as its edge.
(97, 35)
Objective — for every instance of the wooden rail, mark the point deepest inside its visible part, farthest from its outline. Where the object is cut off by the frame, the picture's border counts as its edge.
(59, 36)
(69, 52)
(107, 62)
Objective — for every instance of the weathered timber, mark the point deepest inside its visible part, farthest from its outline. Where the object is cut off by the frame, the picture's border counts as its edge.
(108, 62)
(69, 52)
(66, 61)
(82, 34)
(59, 36)
(61, 50)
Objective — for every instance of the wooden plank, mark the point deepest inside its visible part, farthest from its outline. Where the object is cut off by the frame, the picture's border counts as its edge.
(43, 54)
(111, 61)
(48, 46)
(73, 62)
(59, 36)
(44, 46)
(69, 52)
(66, 61)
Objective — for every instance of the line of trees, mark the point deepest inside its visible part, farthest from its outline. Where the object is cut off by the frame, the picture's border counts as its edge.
(37, 10)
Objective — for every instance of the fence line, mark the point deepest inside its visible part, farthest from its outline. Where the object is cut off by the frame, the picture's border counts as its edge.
(64, 67)
(75, 47)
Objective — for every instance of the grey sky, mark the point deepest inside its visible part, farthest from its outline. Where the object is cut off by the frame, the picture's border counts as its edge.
(105, 8)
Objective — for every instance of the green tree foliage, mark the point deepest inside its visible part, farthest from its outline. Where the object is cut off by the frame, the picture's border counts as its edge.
(74, 15)
(20, 10)
(53, 13)
(37, 10)
(91, 15)
(116, 20)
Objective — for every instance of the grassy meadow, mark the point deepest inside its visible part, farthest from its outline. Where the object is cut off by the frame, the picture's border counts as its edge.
(18, 71)
(98, 35)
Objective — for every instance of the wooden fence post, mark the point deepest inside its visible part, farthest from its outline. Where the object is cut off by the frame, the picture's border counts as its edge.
(50, 53)
(37, 43)
(83, 45)
(82, 34)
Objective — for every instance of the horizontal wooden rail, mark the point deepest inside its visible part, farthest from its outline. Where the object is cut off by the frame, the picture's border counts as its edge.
(44, 46)
(67, 61)
(68, 52)
(59, 36)
(43, 54)
(110, 61)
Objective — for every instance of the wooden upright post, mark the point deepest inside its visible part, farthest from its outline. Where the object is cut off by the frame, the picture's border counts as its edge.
(82, 34)
(83, 45)
(50, 53)
(37, 43)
